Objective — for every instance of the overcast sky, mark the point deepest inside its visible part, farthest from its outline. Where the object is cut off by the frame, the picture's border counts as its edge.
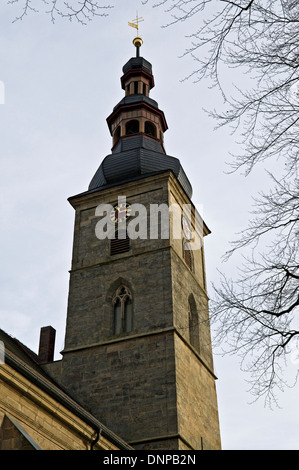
(61, 82)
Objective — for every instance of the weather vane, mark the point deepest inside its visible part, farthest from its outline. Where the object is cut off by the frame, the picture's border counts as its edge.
(135, 23)
(137, 41)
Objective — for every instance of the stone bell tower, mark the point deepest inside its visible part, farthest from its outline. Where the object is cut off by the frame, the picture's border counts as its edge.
(137, 348)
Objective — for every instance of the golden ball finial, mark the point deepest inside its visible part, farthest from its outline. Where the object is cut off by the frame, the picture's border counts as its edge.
(137, 41)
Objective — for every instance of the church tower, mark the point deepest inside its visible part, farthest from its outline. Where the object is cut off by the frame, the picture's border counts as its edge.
(137, 348)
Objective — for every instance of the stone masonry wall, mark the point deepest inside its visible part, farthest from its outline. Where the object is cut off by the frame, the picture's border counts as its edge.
(196, 399)
(129, 385)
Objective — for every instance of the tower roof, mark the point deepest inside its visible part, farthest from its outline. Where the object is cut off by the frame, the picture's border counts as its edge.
(137, 64)
(137, 127)
(136, 157)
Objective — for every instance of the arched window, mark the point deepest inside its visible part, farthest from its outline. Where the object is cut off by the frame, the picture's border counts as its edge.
(116, 135)
(132, 127)
(188, 255)
(122, 311)
(150, 129)
(193, 321)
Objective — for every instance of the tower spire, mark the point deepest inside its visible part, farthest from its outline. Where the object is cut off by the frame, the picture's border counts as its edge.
(137, 41)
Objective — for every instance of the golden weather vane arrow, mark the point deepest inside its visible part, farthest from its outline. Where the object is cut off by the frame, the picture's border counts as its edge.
(135, 23)
(137, 41)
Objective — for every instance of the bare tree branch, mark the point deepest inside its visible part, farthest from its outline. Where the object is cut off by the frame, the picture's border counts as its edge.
(256, 313)
(82, 11)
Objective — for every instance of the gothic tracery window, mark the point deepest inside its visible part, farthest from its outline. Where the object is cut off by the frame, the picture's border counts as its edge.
(122, 310)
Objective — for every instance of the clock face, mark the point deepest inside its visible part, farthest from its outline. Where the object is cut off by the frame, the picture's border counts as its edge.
(120, 212)
(186, 228)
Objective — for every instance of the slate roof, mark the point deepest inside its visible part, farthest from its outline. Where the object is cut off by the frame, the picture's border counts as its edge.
(137, 156)
(134, 99)
(138, 63)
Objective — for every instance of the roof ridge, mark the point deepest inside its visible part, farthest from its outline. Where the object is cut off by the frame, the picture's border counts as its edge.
(21, 345)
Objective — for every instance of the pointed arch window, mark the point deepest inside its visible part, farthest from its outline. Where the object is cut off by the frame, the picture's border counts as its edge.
(193, 321)
(122, 311)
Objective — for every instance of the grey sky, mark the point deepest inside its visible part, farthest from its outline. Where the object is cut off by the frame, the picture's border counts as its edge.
(61, 82)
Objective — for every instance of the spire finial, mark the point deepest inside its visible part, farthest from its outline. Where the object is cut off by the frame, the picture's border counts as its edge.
(137, 41)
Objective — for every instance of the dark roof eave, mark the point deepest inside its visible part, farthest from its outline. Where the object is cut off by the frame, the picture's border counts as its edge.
(116, 183)
(133, 72)
(207, 231)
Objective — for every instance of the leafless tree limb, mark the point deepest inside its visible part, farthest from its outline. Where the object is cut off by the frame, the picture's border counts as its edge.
(256, 313)
(82, 11)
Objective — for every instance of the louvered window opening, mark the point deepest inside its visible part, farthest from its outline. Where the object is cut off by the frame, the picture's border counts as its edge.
(120, 244)
(188, 258)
